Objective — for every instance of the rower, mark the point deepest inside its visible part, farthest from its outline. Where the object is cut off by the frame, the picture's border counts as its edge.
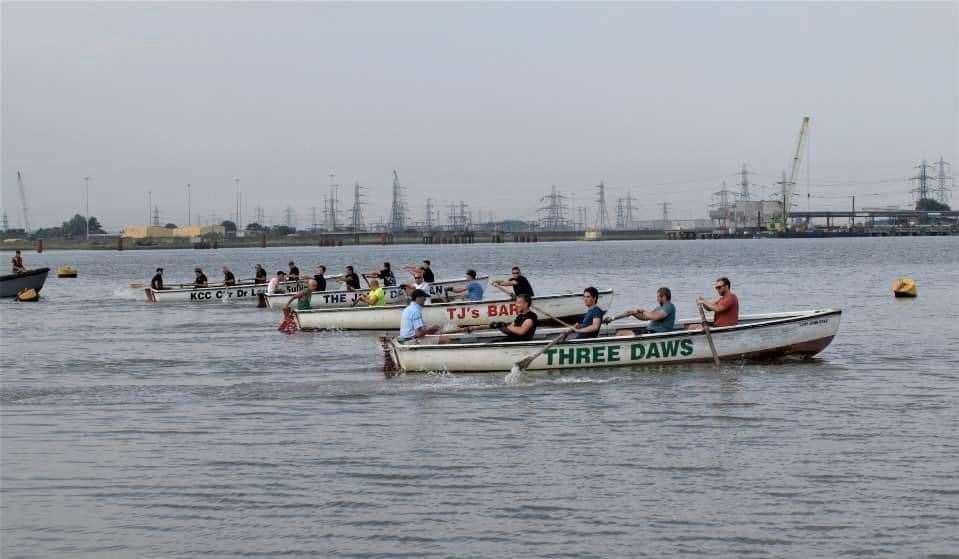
(17, 263)
(424, 269)
(349, 279)
(419, 282)
(303, 296)
(294, 274)
(375, 297)
(662, 318)
(275, 282)
(157, 282)
(228, 277)
(259, 276)
(473, 289)
(524, 325)
(385, 275)
(320, 278)
(591, 323)
(518, 282)
(200, 280)
(726, 308)
(411, 323)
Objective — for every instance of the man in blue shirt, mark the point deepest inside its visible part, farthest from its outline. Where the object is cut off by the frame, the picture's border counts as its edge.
(473, 289)
(591, 323)
(663, 317)
(411, 323)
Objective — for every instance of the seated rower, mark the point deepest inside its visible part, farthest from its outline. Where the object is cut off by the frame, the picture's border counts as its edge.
(385, 275)
(518, 282)
(411, 323)
(591, 323)
(157, 282)
(473, 289)
(275, 282)
(375, 297)
(663, 317)
(200, 280)
(228, 277)
(303, 297)
(294, 274)
(726, 308)
(320, 278)
(16, 263)
(523, 327)
(259, 276)
(349, 279)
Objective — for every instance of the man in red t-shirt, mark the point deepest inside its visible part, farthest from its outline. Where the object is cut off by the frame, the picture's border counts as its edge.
(726, 308)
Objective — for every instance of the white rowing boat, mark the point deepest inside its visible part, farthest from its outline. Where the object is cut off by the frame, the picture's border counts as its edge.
(239, 292)
(759, 336)
(567, 306)
(343, 298)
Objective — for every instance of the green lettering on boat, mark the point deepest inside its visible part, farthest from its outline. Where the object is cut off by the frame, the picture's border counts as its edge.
(549, 355)
(612, 353)
(653, 351)
(566, 355)
(687, 347)
(669, 348)
(599, 354)
(636, 351)
(582, 355)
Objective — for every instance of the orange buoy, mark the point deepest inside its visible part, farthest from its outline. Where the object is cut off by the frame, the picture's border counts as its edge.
(904, 287)
(28, 295)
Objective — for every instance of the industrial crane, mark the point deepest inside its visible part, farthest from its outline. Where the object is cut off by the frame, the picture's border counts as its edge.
(793, 175)
(23, 203)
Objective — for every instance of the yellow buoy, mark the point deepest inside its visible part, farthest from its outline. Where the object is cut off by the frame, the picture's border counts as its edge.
(28, 295)
(904, 287)
(66, 272)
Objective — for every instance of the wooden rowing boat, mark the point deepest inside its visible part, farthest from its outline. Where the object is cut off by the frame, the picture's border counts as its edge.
(11, 284)
(343, 298)
(240, 292)
(759, 336)
(462, 313)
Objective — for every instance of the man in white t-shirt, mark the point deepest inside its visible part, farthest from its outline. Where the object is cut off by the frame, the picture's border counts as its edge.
(275, 282)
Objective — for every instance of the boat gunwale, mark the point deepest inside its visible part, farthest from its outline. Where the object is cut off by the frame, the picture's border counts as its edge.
(215, 287)
(794, 317)
(367, 289)
(28, 273)
(451, 303)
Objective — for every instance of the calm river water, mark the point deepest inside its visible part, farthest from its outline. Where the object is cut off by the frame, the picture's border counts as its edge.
(136, 429)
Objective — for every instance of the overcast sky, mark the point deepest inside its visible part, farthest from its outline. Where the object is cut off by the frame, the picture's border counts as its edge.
(486, 103)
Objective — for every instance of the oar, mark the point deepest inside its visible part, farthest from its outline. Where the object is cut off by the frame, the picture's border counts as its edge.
(535, 309)
(516, 371)
(709, 336)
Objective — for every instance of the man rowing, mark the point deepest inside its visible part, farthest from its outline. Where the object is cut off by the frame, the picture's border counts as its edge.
(375, 297)
(424, 269)
(591, 323)
(411, 322)
(303, 296)
(524, 325)
(518, 282)
(473, 289)
(259, 275)
(726, 308)
(275, 282)
(228, 278)
(349, 279)
(200, 279)
(16, 263)
(294, 274)
(385, 275)
(320, 277)
(662, 318)
(157, 282)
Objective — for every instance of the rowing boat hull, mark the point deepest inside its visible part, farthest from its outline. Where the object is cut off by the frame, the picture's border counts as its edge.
(465, 313)
(760, 337)
(199, 295)
(11, 284)
(343, 298)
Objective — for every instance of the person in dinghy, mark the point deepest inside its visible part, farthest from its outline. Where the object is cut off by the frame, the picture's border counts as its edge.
(591, 323)
(524, 325)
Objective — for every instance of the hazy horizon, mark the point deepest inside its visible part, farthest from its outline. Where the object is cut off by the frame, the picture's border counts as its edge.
(491, 104)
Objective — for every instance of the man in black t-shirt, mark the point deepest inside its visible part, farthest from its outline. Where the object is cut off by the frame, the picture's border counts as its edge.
(524, 325)
(260, 275)
(320, 278)
(428, 272)
(294, 273)
(157, 281)
(385, 275)
(200, 280)
(228, 277)
(350, 279)
(518, 282)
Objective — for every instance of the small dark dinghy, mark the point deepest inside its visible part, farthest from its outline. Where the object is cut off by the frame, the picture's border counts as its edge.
(11, 284)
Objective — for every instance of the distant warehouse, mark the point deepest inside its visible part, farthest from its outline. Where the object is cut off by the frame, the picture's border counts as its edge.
(157, 232)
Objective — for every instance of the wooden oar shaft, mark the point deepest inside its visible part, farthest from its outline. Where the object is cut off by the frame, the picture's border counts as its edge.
(534, 307)
(709, 336)
(528, 360)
